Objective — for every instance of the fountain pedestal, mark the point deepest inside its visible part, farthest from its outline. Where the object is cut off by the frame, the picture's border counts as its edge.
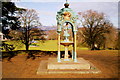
(66, 44)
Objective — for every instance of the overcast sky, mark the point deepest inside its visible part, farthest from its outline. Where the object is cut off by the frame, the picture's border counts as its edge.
(47, 10)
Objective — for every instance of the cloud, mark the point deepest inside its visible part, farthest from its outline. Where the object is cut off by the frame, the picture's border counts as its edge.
(17, 5)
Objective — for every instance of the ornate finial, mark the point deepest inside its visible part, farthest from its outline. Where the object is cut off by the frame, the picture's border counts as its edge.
(66, 1)
(66, 4)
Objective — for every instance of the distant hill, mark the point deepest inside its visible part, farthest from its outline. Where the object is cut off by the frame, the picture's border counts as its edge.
(48, 27)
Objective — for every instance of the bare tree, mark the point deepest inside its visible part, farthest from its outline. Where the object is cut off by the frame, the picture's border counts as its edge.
(29, 19)
(111, 39)
(117, 45)
(37, 34)
(95, 26)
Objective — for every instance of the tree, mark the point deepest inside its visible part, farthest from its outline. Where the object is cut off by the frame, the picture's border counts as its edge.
(5, 0)
(118, 40)
(15, 34)
(28, 19)
(37, 34)
(111, 39)
(80, 37)
(95, 26)
(52, 35)
(9, 20)
(117, 45)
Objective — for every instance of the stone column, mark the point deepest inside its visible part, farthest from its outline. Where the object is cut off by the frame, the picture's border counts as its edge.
(58, 58)
(74, 48)
(72, 54)
(66, 54)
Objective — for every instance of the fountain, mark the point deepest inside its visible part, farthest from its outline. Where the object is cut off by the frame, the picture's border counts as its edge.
(66, 18)
(69, 18)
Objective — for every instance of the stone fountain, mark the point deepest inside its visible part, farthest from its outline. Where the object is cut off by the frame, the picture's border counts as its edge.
(66, 18)
(69, 18)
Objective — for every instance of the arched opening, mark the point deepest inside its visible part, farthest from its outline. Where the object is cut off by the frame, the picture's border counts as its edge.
(70, 33)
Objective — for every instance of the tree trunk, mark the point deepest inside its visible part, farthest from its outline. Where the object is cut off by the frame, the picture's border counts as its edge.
(104, 46)
(27, 38)
(92, 46)
(27, 46)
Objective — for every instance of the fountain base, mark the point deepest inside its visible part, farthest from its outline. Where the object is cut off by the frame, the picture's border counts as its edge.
(68, 64)
(51, 66)
(66, 59)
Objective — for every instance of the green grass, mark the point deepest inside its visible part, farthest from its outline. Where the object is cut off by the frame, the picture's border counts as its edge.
(48, 45)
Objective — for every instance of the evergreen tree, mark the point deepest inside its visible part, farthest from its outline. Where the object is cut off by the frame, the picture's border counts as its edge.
(9, 19)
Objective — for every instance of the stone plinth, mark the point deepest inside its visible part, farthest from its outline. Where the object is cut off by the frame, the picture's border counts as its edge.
(51, 66)
(81, 64)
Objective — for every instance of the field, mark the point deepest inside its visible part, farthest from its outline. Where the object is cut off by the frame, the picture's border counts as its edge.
(20, 66)
(46, 45)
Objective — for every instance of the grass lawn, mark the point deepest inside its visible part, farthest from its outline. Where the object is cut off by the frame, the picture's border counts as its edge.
(48, 45)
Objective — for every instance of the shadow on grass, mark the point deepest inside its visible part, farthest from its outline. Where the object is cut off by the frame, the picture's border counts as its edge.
(31, 54)
(9, 55)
